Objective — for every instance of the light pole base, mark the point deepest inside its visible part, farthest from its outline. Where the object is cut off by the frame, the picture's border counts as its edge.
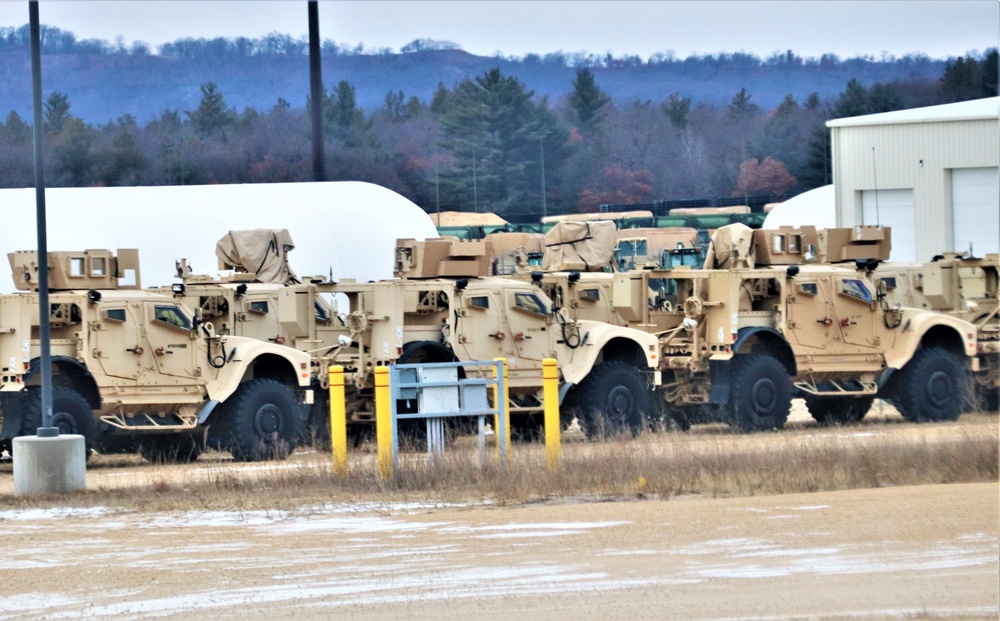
(49, 465)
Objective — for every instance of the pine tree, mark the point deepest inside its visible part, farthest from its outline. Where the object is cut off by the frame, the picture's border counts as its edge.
(56, 111)
(496, 134)
(587, 99)
(15, 131)
(212, 117)
(677, 109)
(852, 102)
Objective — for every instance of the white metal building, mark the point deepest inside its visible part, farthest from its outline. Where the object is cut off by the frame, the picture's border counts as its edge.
(932, 174)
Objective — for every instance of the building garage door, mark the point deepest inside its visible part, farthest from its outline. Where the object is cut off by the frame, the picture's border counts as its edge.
(893, 208)
(975, 200)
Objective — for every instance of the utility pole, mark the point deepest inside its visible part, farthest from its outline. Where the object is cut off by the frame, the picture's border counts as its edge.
(541, 148)
(44, 327)
(316, 93)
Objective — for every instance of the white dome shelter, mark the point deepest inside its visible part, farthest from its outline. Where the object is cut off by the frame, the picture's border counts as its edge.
(348, 228)
(817, 207)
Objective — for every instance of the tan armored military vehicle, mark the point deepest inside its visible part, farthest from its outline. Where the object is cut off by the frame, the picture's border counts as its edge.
(777, 314)
(960, 287)
(438, 311)
(140, 368)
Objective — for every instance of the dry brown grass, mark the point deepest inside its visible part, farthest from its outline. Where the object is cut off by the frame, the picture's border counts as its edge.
(711, 462)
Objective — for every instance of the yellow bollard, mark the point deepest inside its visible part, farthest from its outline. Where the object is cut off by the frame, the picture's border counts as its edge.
(505, 432)
(550, 394)
(338, 421)
(383, 422)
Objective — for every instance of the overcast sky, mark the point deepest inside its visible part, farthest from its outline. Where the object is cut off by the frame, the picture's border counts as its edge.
(516, 27)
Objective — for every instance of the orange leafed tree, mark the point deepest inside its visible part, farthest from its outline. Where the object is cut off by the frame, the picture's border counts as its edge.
(767, 177)
(617, 186)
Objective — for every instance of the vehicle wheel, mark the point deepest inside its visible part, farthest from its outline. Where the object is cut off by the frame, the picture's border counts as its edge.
(838, 410)
(71, 414)
(932, 386)
(317, 433)
(679, 417)
(259, 421)
(527, 428)
(761, 394)
(611, 400)
(989, 398)
(170, 449)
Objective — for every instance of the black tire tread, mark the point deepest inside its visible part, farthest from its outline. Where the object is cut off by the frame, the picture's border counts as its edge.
(235, 426)
(911, 396)
(748, 369)
(589, 397)
(838, 410)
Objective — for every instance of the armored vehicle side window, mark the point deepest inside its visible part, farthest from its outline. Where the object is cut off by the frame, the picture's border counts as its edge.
(171, 315)
(259, 306)
(590, 295)
(890, 282)
(98, 266)
(795, 244)
(855, 289)
(78, 266)
(529, 302)
(809, 288)
(322, 314)
(479, 301)
(115, 314)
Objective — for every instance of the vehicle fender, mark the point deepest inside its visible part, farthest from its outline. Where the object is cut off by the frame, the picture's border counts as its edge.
(914, 325)
(88, 387)
(241, 352)
(596, 335)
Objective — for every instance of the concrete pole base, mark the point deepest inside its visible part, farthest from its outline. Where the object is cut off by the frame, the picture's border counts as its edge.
(49, 465)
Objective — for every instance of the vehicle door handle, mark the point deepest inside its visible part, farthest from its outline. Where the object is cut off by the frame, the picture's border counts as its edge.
(137, 350)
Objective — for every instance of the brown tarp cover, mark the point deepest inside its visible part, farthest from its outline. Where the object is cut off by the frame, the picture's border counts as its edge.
(503, 244)
(466, 218)
(709, 211)
(590, 217)
(658, 240)
(588, 246)
(263, 252)
(732, 246)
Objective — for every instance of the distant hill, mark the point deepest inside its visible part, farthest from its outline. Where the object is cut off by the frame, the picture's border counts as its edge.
(103, 84)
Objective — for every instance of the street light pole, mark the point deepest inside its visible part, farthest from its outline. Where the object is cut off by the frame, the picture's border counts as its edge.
(437, 183)
(44, 328)
(541, 148)
(475, 187)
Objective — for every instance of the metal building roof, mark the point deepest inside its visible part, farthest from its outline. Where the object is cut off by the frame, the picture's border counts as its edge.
(974, 110)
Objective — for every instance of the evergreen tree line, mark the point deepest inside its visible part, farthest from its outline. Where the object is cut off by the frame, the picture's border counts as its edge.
(486, 143)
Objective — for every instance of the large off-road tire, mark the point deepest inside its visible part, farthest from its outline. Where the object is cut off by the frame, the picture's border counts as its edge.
(71, 414)
(259, 421)
(761, 394)
(527, 427)
(612, 400)
(932, 386)
(317, 432)
(838, 410)
(170, 448)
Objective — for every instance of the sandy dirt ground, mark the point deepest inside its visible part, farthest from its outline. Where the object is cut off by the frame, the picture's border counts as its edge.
(903, 553)
(895, 553)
